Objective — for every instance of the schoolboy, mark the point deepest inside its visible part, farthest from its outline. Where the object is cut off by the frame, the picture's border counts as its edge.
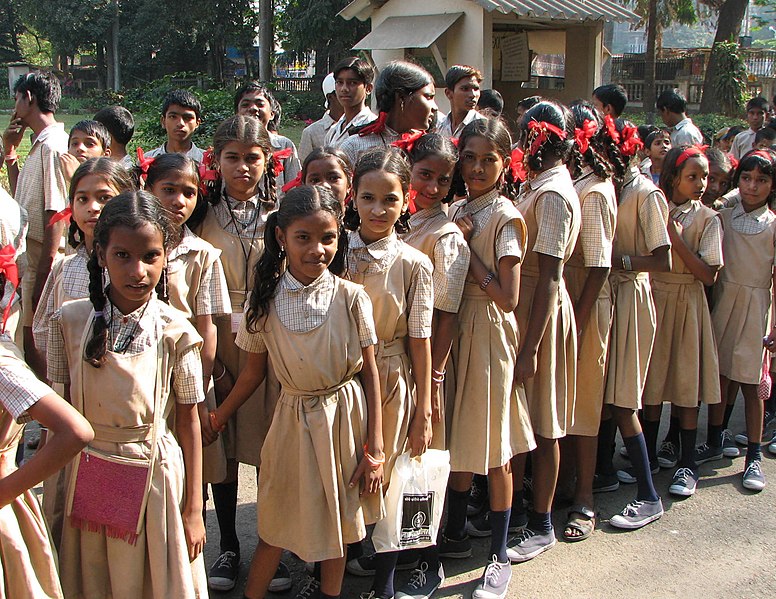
(610, 99)
(763, 139)
(672, 107)
(462, 89)
(181, 115)
(121, 125)
(756, 109)
(491, 103)
(353, 80)
(88, 139)
(314, 135)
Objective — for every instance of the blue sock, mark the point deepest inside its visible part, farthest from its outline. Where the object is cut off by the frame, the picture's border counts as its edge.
(499, 527)
(540, 522)
(753, 452)
(637, 451)
(385, 568)
(456, 514)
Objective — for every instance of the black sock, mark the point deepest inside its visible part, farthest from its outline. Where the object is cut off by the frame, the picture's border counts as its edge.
(430, 555)
(714, 435)
(674, 436)
(651, 428)
(753, 452)
(518, 505)
(770, 403)
(637, 450)
(606, 434)
(317, 571)
(499, 526)
(688, 448)
(481, 482)
(385, 568)
(456, 514)
(540, 522)
(728, 411)
(225, 500)
(325, 596)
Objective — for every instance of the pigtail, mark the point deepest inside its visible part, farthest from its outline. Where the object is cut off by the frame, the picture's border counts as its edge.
(266, 275)
(352, 220)
(402, 226)
(270, 185)
(339, 262)
(74, 235)
(510, 188)
(163, 286)
(575, 162)
(97, 346)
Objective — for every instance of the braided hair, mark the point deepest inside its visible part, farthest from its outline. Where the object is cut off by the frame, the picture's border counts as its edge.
(593, 156)
(438, 146)
(554, 114)
(181, 163)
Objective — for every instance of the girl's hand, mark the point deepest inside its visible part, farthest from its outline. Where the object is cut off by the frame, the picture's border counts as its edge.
(419, 436)
(525, 367)
(674, 230)
(466, 225)
(373, 477)
(769, 342)
(208, 434)
(194, 529)
(69, 165)
(436, 402)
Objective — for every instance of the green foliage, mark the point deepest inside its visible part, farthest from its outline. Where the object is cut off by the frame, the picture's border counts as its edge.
(70, 25)
(730, 81)
(11, 28)
(708, 123)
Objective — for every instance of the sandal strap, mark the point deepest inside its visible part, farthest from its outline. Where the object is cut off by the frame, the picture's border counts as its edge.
(582, 509)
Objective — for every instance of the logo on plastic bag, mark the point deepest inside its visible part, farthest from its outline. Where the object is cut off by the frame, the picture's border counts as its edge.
(416, 519)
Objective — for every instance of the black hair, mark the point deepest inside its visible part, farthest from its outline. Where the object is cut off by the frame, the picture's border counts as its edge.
(438, 146)
(529, 102)
(497, 133)
(184, 98)
(256, 86)
(131, 209)
(718, 157)
(555, 114)
(671, 171)
(166, 163)
(389, 160)
(491, 98)
(328, 152)
(249, 131)
(94, 129)
(583, 111)
(758, 102)
(360, 67)
(611, 151)
(116, 175)
(460, 71)
(43, 86)
(672, 100)
(652, 136)
(766, 133)
(118, 121)
(645, 131)
(756, 159)
(298, 202)
(399, 78)
(612, 95)
(733, 131)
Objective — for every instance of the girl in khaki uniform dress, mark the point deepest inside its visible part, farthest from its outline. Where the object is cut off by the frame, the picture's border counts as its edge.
(398, 279)
(547, 360)
(743, 302)
(329, 407)
(487, 411)
(134, 497)
(683, 368)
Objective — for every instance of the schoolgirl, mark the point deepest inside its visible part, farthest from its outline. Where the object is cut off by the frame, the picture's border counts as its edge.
(545, 314)
(487, 411)
(134, 496)
(330, 168)
(398, 279)
(329, 407)
(720, 175)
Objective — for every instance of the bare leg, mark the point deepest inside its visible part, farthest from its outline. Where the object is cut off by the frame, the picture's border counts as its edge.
(546, 458)
(332, 572)
(263, 567)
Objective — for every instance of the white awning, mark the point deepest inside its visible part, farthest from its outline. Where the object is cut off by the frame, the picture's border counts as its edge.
(398, 33)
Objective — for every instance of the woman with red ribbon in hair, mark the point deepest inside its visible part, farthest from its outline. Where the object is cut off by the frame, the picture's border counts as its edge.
(586, 275)
(405, 101)
(545, 314)
(641, 246)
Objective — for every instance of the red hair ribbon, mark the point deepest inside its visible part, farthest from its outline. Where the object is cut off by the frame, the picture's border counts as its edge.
(295, 182)
(542, 129)
(631, 143)
(765, 155)
(611, 128)
(411, 203)
(455, 141)
(583, 135)
(733, 161)
(407, 140)
(688, 153)
(11, 271)
(517, 166)
(207, 172)
(376, 126)
(280, 155)
(143, 163)
(62, 215)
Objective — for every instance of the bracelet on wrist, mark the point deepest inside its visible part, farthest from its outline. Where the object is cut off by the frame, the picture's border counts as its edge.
(11, 158)
(214, 424)
(486, 281)
(220, 376)
(626, 263)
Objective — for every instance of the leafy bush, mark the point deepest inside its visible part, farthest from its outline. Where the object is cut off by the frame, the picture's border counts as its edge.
(709, 123)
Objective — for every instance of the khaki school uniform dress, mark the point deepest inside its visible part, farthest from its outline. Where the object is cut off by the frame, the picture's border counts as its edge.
(162, 354)
(684, 367)
(553, 217)
(642, 213)
(441, 240)
(319, 429)
(237, 229)
(593, 250)
(397, 279)
(487, 419)
(28, 568)
(742, 295)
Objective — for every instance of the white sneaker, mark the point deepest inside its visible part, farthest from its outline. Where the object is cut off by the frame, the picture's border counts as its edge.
(495, 580)
(637, 514)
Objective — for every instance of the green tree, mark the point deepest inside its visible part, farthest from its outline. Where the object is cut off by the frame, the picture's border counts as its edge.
(11, 30)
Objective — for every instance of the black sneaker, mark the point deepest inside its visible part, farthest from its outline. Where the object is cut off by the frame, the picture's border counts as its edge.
(454, 548)
(365, 565)
(479, 527)
(627, 476)
(668, 454)
(605, 483)
(223, 573)
(281, 581)
(311, 589)
(707, 453)
(478, 498)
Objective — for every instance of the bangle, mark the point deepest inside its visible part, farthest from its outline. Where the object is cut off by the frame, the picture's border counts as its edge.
(374, 462)
(437, 376)
(11, 158)
(486, 281)
(626, 263)
(220, 376)
(214, 422)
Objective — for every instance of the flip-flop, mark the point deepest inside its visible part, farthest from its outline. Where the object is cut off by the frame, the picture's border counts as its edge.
(584, 525)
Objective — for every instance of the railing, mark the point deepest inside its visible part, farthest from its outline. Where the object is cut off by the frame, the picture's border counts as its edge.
(296, 84)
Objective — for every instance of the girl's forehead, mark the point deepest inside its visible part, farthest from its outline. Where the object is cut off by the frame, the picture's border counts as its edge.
(478, 143)
(242, 147)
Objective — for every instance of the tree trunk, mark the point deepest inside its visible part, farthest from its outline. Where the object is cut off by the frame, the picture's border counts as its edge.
(649, 65)
(116, 63)
(731, 14)
(100, 65)
(266, 40)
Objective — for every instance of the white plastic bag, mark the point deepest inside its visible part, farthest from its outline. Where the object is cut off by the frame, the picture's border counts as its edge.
(414, 503)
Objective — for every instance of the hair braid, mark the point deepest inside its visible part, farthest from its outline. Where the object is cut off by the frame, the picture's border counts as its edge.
(97, 346)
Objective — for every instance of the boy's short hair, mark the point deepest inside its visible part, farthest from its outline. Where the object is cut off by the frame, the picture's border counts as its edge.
(491, 98)
(360, 67)
(766, 133)
(529, 102)
(118, 121)
(257, 86)
(95, 129)
(672, 100)
(43, 86)
(460, 71)
(184, 98)
(758, 102)
(612, 95)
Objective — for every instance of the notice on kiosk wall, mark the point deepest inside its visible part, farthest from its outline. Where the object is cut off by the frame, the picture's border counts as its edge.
(515, 58)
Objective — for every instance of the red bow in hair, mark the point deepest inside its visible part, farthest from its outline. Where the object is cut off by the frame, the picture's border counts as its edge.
(411, 203)
(517, 166)
(63, 215)
(611, 128)
(10, 270)
(207, 172)
(143, 163)
(584, 135)
(631, 143)
(764, 154)
(733, 161)
(279, 156)
(295, 182)
(689, 153)
(455, 141)
(542, 129)
(376, 126)
(407, 140)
